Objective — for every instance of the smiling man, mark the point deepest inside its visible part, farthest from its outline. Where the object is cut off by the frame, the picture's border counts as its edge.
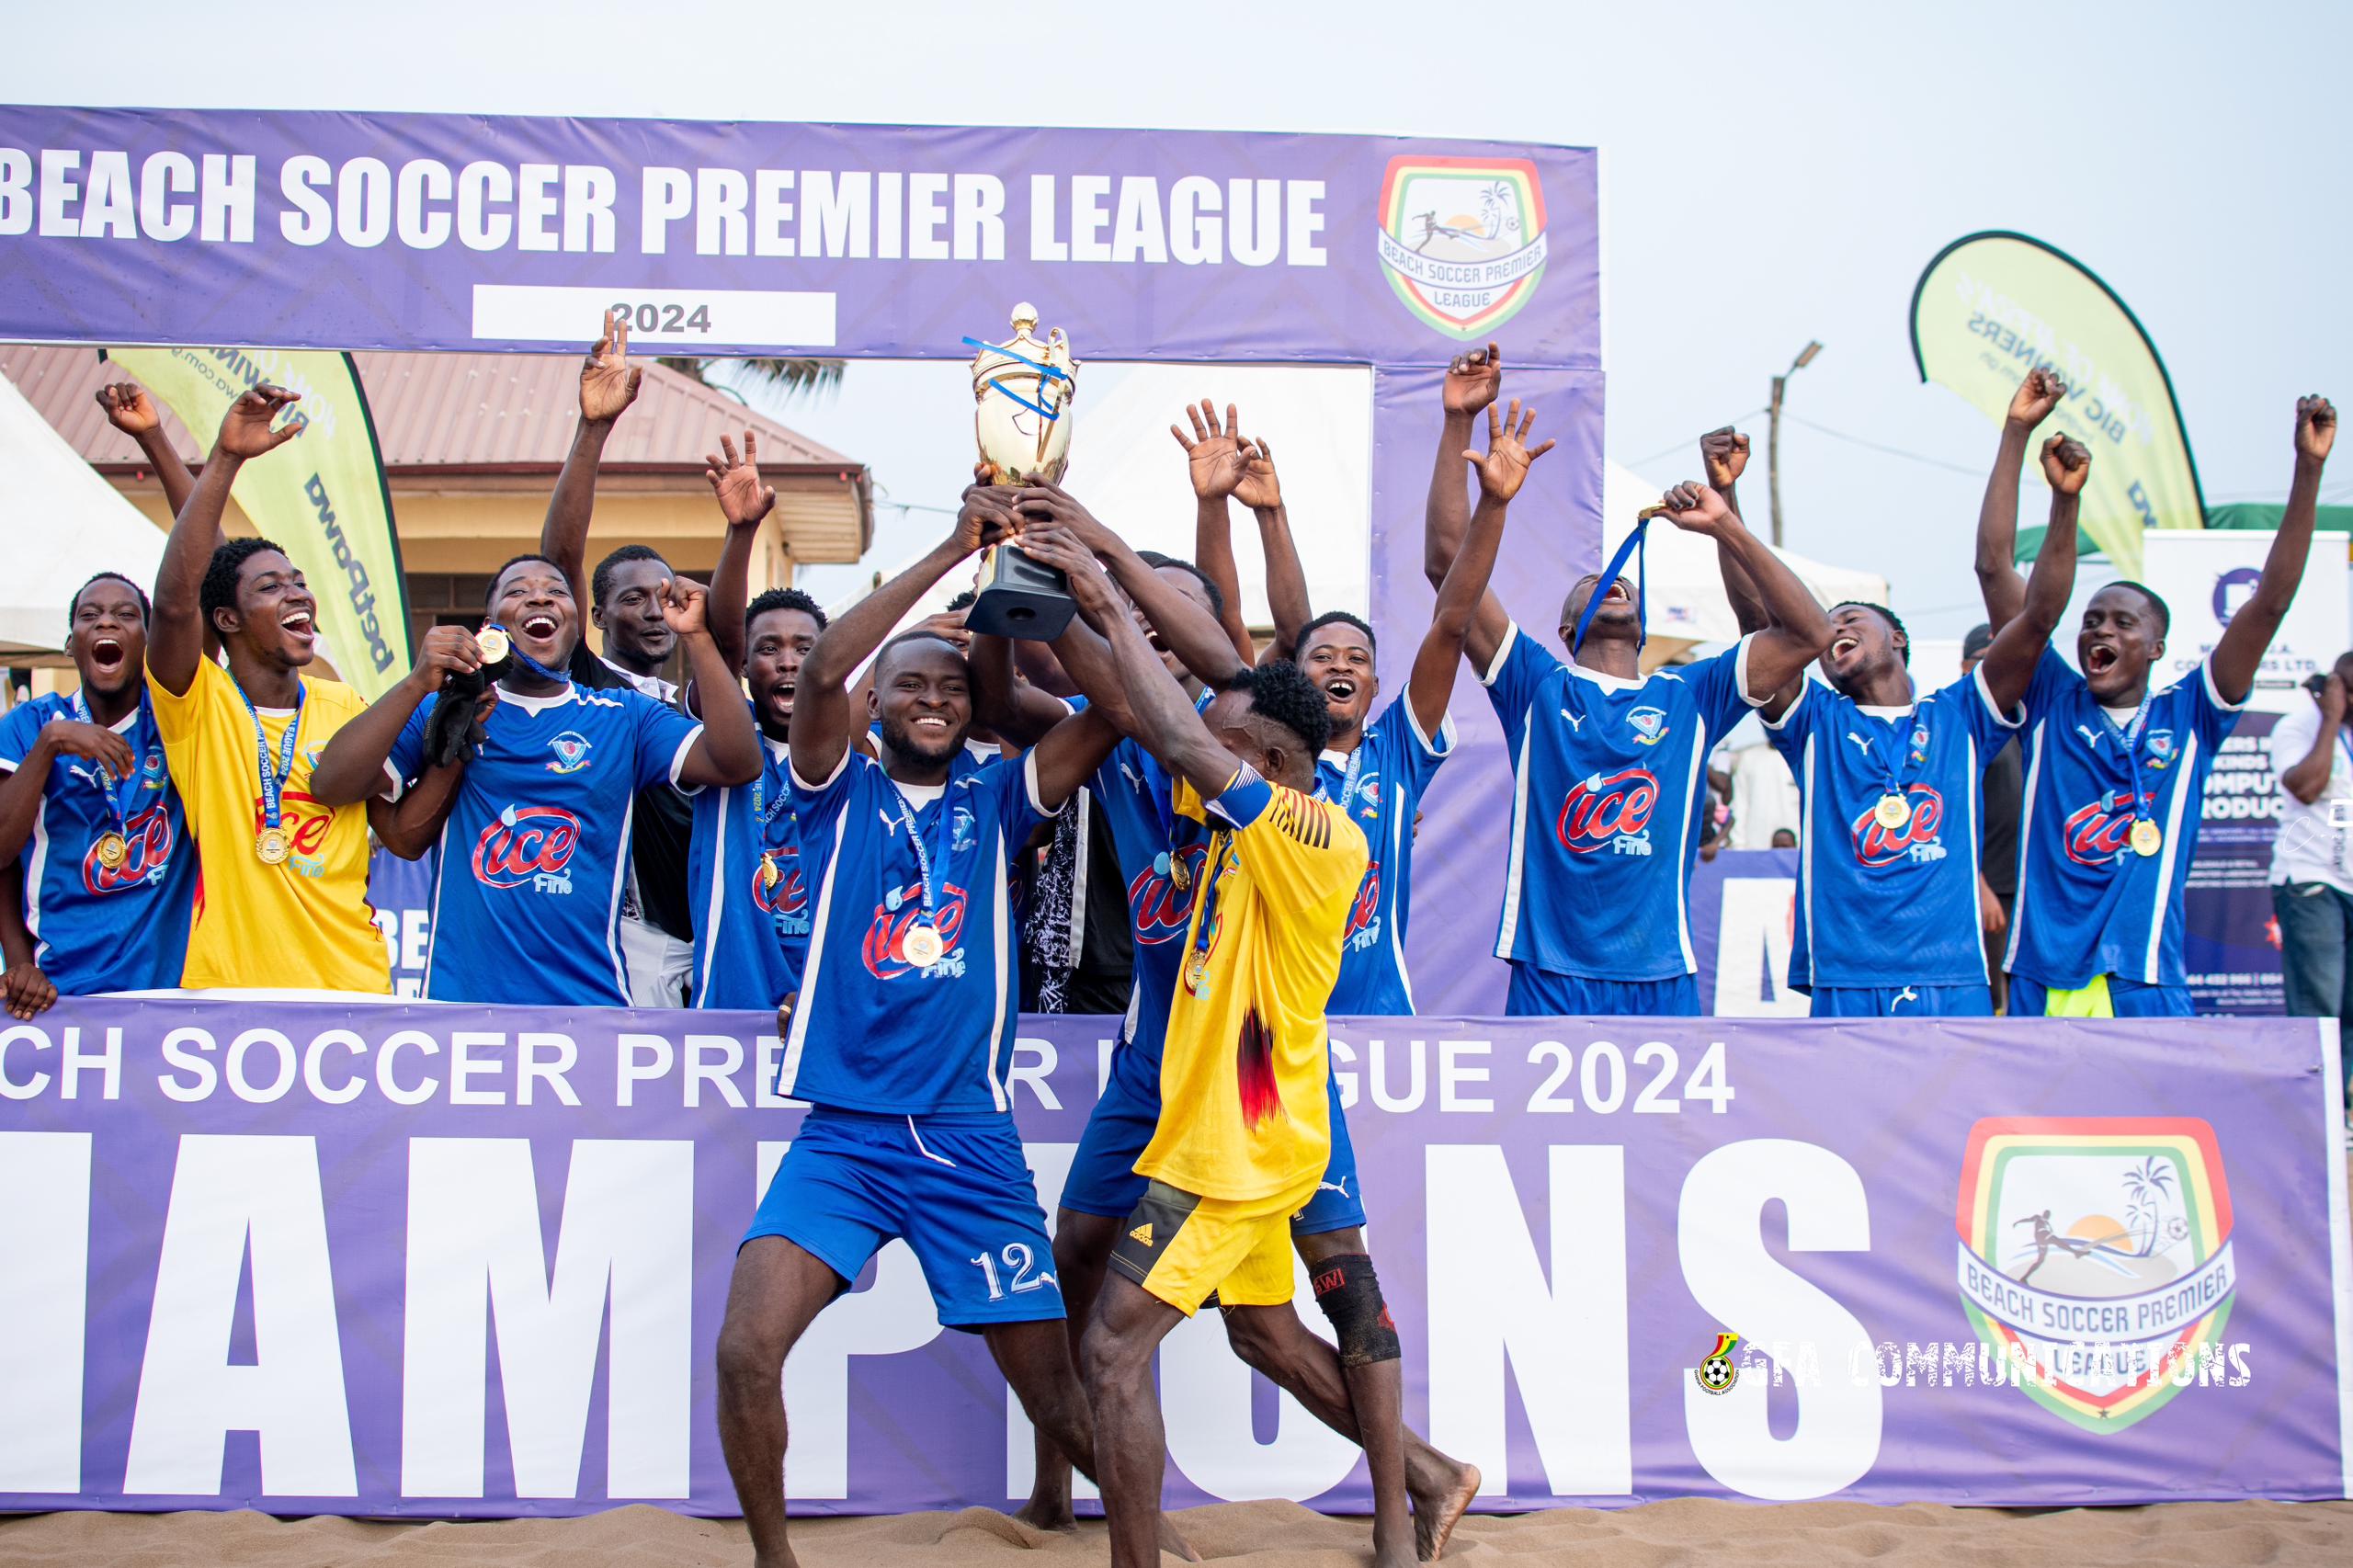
(1609, 763)
(2115, 774)
(285, 893)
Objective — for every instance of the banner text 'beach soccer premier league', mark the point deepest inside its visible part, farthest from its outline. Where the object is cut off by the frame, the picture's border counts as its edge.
(1460, 241)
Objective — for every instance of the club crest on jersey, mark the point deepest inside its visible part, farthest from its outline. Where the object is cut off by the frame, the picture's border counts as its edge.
(1650, 725)
(149, 836)
(1920, 743)
(898, 912)
(1158, 909)
(961, 830)
(1915, 841)
(1368, 791)
(2096, 1260)
(1609, 812)
(571, 750)
(2101, 832)
(527, 847)
(152, 772)
(2160, 750)
(1462, 240)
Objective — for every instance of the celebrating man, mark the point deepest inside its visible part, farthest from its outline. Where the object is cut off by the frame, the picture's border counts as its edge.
(1609, 763)
(2115, 774)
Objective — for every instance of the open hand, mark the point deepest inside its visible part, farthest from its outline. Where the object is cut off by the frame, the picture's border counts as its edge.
(2066, 464)
(28, 992)
(96, 743)
(1213, 456)
(1257, 488)
(1724, 455)
(1505, 467)
(2036, 397)
(1473, 380)
(683, 604)
(743, 499)
(246, 429)
(130, 410)
(2315, 428)
(1693, 506)
(607, 382)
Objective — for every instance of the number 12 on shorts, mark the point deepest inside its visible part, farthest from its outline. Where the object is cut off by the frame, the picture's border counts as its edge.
(1020, 1262)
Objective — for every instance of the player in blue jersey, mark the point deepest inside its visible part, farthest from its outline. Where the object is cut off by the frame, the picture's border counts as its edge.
(902, 1031)
(1608, 763)
(89, 902)
(2115, 774)
(532, 849)
(1887, 899)
(748, 881)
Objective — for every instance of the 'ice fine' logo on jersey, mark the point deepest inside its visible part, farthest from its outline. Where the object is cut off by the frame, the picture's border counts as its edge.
(527, 847)
(1650, 725)
(571, 750)
(1158, 908)
(1364, 915)
(786, 901)
(884, 949)
(1610, 813)
(149, 835)
(2096, 835)
(1914, 841)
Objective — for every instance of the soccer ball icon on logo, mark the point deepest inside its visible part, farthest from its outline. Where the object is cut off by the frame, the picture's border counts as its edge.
(1718, 1372)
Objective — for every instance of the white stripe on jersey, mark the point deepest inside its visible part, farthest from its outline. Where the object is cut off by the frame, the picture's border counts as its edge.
(710, 927)
(2026, 840)
(1977, 831)
(1513, 856)
(1815, 818)
(788, 1070)
(2188, 766)
(1398, 895)
(1690, 845)
(613, 911)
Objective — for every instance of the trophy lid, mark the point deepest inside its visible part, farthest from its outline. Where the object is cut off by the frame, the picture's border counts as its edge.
(1022, 354)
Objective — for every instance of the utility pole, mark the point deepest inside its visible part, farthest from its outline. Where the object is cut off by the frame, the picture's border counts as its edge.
(1773, 433)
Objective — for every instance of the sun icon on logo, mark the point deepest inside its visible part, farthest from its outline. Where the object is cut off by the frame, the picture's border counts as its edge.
(1718, 1372)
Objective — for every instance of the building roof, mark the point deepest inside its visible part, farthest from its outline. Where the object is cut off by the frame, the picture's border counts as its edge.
(448, 415)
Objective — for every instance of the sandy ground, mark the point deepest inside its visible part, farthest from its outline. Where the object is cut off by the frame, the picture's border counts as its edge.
(1264, 1535)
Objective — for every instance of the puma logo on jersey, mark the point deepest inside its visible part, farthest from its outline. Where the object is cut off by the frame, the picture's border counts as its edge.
(1142, 1235)
(1576, 724)
(1861, 741)
(2091, 736)
(1340, 1186)
(1906, 995)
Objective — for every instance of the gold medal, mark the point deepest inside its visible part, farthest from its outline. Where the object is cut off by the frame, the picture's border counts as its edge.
(1892, 813)
(768, 873)
(2147, 837)
(922, 946)
(492, 643)
(112, 850)
(272, 845)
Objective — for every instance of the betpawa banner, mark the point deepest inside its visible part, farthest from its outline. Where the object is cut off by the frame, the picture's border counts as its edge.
(322, 497)
(1993, 306)
(443, 1260)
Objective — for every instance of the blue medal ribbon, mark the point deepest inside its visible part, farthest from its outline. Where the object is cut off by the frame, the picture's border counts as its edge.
(1892, 767)
(1634, 547)
(515, 648)
(106, 779)
(273, 782)
(923, 855)
(2129, 740)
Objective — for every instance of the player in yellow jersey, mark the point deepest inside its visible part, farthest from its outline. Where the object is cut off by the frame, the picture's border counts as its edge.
(1245, 1130)
(283, 899)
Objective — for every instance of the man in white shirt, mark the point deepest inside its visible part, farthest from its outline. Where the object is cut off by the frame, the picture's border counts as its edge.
(2312, 857)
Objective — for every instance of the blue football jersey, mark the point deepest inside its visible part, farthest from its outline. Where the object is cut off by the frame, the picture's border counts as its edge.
(874, 1031)
(1379, 785)
(2087, 904)
(1609, 777)
(526, 885)
(97, 927)
(1878, 905)
(749, 887)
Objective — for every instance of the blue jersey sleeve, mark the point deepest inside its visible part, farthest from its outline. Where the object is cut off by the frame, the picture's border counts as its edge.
(1988, 726)
(1013, 787)
(408, 750)
(19, 729)
(1408, 754)
(663, 733)
(1719, 687)
(1788, 735)
(1515, 678)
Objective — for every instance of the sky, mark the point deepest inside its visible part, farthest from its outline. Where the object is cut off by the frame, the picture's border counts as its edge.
(1772, 174)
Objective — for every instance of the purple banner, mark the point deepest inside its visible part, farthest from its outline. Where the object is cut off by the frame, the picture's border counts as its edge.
(407, 1259)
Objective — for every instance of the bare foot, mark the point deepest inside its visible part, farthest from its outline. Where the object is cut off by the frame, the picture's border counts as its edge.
(1437, 1512)
(1174, 1543)
(1044, 1515)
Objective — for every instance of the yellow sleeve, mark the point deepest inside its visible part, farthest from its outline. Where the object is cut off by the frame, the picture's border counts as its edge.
(1301, 850)
(178, 719)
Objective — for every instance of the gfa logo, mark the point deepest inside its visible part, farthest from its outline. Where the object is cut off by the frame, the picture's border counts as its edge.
(2098, 1249)
(1462, 239)
(571, 750)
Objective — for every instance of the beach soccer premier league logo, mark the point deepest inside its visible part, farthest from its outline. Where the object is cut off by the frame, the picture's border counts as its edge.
(2098, 1248)
(1462, 239)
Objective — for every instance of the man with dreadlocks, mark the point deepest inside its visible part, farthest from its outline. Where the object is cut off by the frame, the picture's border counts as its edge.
(1609, 762)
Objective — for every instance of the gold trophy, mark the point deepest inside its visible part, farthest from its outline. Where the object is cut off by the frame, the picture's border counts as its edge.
(1021, 393)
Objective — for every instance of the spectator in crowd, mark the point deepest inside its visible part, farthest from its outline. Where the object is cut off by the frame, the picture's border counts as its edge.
(1784, 838)
(2311, 887)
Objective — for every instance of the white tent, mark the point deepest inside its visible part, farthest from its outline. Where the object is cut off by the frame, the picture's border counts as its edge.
(63, 524)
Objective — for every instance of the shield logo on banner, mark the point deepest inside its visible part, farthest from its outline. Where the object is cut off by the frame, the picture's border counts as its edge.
(2097, 1250)
(1462, 239)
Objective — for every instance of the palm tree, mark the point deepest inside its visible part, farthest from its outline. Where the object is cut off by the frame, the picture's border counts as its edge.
(788, 376)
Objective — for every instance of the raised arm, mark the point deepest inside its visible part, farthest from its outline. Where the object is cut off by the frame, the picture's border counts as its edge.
(1286, 600)
(607, 385)
(1200, 643)
(1998, 515)
(1796, 631)
(728, 750)
(176, 628)
(2010, 658)
(130, 410)
(1724, 455)
(2307, 776)
(1471, 382)
(1216, 461)
(2238, 653)
(1501, 471)
(351, 767)
(744, 502)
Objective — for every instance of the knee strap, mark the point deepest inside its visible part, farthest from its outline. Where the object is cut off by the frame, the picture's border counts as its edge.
(1349, 1293)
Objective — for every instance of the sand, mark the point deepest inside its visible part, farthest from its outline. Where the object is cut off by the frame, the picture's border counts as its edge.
(1264, 1535)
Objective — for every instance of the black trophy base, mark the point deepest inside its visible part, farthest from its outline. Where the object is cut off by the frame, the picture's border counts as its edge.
(1022, 599)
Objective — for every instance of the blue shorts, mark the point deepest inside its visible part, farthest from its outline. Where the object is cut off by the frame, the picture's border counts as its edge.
(2130, 998)
(1103, 1178)
(1539, 993)
(1902, 1002)
(955, 1188)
